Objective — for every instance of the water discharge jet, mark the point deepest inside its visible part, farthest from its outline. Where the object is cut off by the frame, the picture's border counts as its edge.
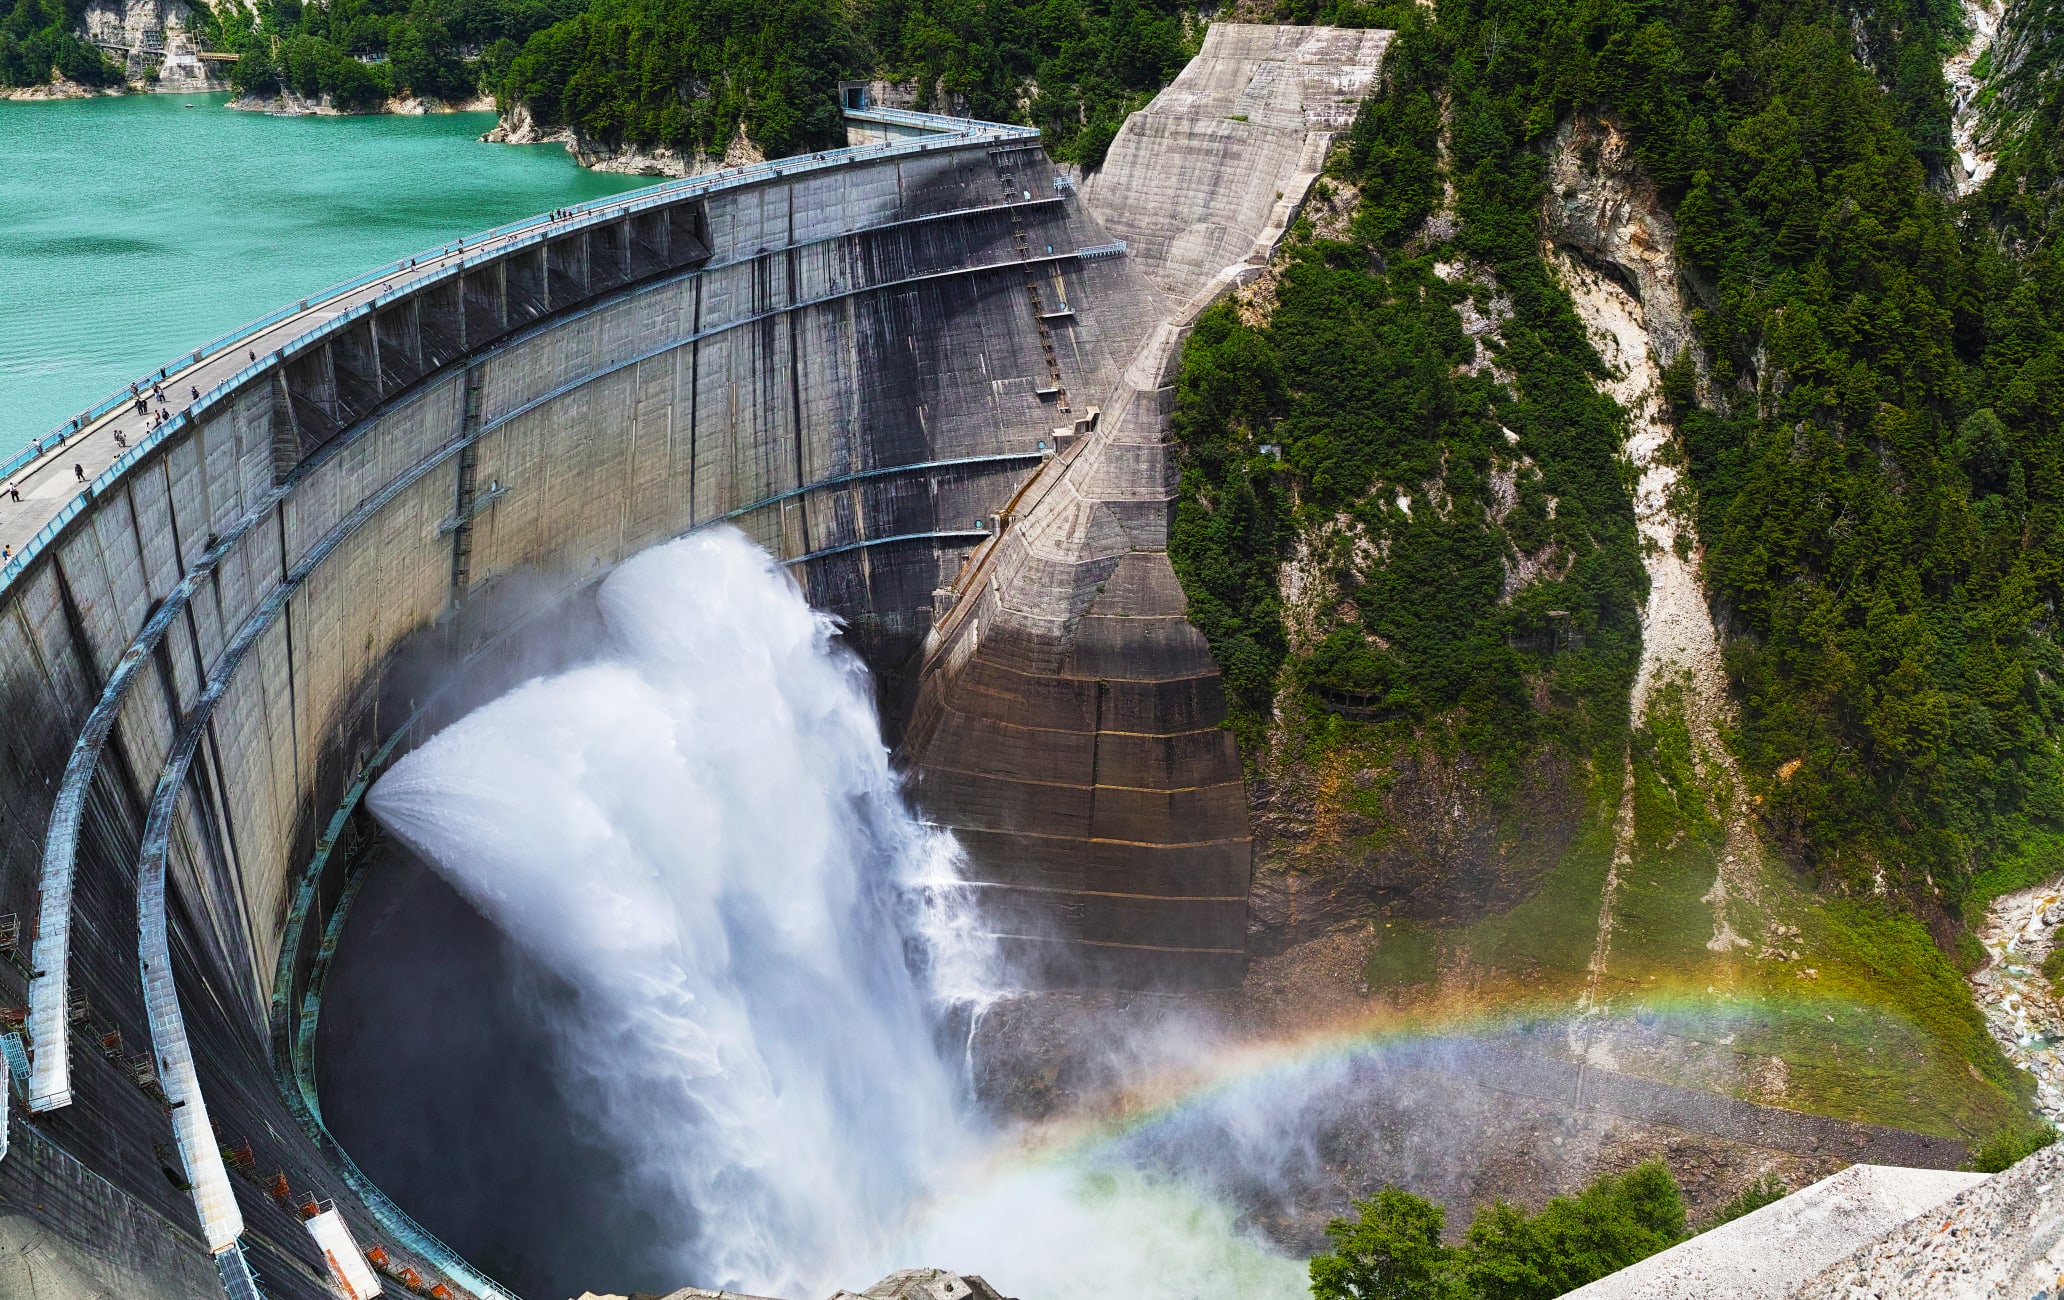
(699, 834)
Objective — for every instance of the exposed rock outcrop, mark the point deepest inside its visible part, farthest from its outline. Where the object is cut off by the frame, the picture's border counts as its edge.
(149, 38)
(1974, 158)
(1613, 246)
(288, 104)
(56, 88)
(518, 126)
(1337, 843)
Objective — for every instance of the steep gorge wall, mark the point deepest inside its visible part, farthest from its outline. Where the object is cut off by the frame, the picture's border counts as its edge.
(1614, 249)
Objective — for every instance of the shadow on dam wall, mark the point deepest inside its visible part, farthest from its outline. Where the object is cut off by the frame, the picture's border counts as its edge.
(433, 1065)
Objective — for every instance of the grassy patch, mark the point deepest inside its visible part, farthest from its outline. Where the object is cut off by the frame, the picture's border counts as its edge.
(2010, 1146)
(1406, 955)
(1848, 1009)
(2039, 857)
(1546, 940)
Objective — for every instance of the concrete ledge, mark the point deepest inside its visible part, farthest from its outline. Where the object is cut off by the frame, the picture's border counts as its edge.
(2002, 1238)
(1770, 1252)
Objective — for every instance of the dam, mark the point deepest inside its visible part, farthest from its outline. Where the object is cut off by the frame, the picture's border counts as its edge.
(929, 373)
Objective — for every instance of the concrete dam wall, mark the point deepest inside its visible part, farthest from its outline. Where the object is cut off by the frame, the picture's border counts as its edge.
(921, 371)
(1068, 726)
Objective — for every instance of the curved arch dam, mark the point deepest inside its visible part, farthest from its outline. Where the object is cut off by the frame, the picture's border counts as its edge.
(926, 372)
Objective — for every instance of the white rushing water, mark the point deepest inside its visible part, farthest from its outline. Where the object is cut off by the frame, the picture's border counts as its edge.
(701, 835)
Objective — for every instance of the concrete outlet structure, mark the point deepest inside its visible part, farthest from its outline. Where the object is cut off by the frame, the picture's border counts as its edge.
(923, 371)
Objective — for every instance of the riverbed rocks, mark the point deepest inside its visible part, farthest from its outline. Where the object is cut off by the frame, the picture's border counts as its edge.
(2020, 1005)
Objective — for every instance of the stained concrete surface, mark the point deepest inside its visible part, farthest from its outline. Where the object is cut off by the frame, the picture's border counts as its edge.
(434, 1064)
(1767, 1254)
(851, 376)
(1067, 725)
(1225, 153)
(2000, 1239)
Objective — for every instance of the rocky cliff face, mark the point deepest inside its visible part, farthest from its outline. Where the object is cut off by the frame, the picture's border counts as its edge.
(519, 127)
(150, 39)
(1614, 249)
(1347, 834)
(288, 104)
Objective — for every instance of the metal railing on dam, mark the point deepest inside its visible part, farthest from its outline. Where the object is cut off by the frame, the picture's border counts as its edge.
(203, 650)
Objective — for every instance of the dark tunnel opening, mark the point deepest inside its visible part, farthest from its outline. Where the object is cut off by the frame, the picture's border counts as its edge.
(433, 1062)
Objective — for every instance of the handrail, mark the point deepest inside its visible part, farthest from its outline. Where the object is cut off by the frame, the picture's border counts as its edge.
(50, 1081)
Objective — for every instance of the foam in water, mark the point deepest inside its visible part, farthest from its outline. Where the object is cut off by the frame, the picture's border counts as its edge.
(700, 833)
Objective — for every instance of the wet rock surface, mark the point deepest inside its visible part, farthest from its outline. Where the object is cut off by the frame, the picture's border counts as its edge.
(1463, 1121)
(2020, 1004)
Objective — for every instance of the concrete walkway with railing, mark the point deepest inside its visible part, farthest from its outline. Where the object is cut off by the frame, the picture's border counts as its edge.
(53, 479)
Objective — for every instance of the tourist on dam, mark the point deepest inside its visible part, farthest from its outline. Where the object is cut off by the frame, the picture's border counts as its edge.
(79, 472)
(120, 441)
(14, 491)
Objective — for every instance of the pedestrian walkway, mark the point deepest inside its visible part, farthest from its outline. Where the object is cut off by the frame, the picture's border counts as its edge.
(49, 483)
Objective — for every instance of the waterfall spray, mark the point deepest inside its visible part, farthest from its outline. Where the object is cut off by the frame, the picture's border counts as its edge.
(700, 835)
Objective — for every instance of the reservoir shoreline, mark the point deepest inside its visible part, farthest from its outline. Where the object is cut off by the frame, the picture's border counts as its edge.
(200, 220)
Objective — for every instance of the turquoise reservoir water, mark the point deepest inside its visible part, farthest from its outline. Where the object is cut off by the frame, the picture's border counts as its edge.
(135, 228)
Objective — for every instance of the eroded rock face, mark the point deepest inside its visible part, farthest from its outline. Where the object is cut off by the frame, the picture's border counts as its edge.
(1420, 838)
(1603, 211)
(150, 39)
(57, 88)
(519, 127)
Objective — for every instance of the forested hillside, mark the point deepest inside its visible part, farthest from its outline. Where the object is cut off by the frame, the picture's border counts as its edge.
(40, 37)
(1866, 413)
(685, 74)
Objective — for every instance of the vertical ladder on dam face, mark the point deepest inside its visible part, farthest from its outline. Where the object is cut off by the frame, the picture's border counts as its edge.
(462, 514)
(1024, 247)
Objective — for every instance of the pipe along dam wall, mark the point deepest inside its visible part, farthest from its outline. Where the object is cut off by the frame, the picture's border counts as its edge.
(925, 372)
